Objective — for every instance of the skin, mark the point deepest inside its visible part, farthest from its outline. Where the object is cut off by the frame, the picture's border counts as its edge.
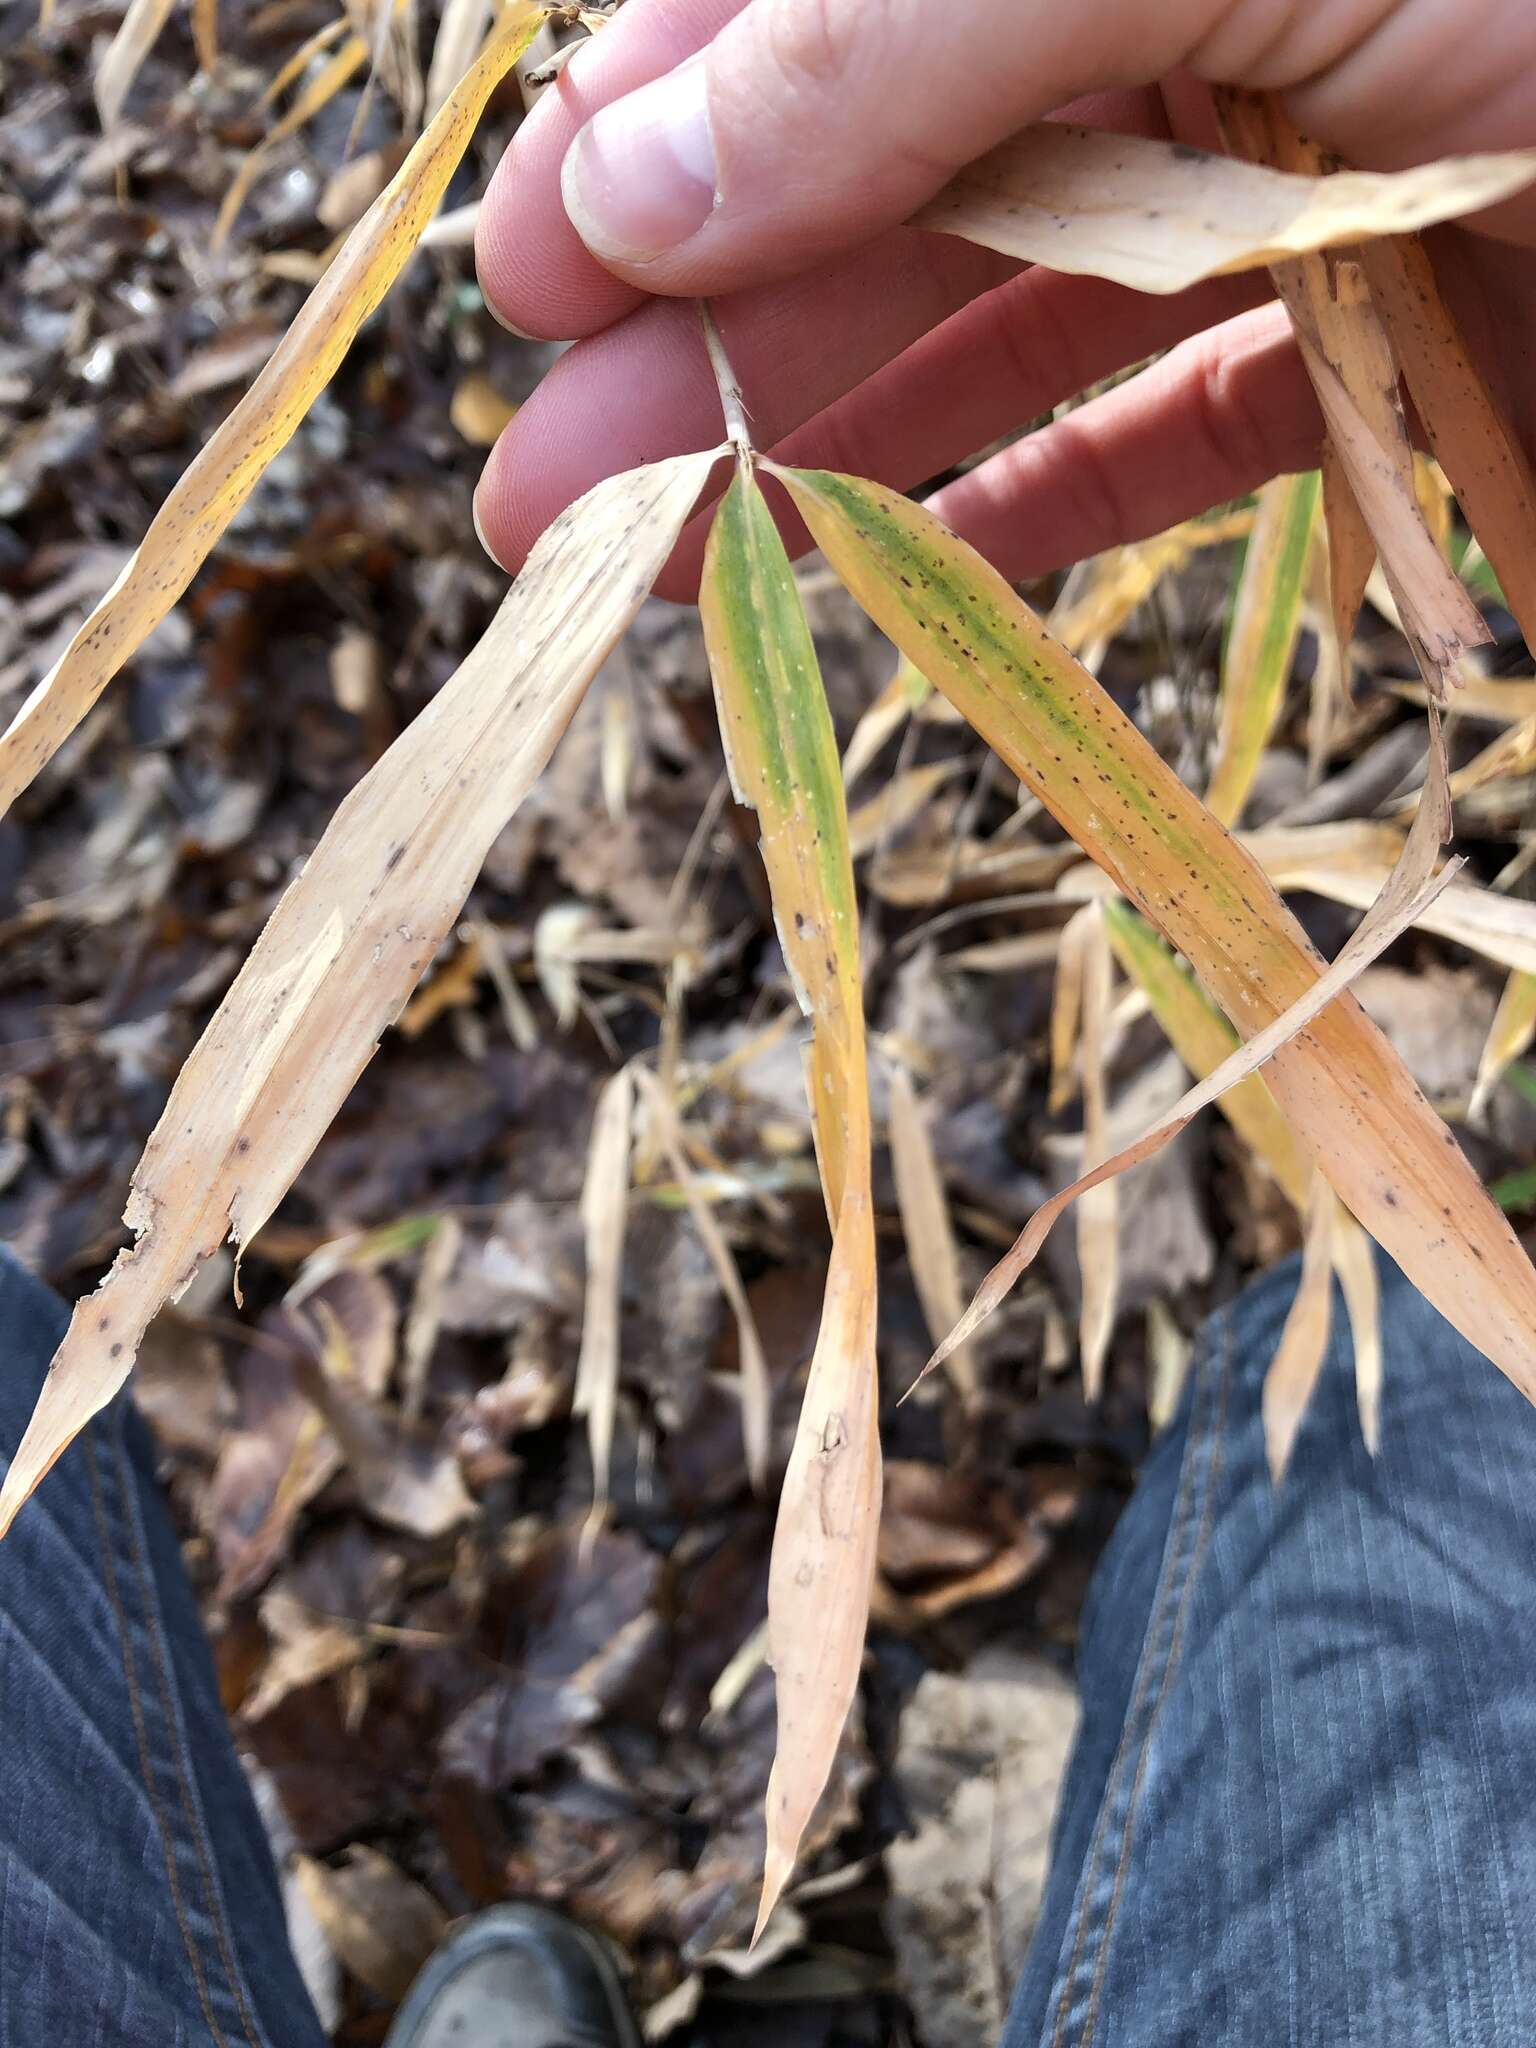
(866, 346)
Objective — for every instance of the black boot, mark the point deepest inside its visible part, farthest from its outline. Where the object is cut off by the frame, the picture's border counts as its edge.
(518, 1976)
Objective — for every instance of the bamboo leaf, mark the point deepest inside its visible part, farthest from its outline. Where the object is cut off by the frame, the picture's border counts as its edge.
(1354, 1260)
(1351, 556)
(1159, 216)
(1298, 1359)
(1098, 1212)
(1320, 860)
(135, 38)
(1345, 1091)
(1510, 1034)
(208, 496)
(355, 932)
(1355, 374)
(1480, 452)
(926, 1224)
(1261, 643)
(1392, 915)
(783, 759)
(604, 1211)
(318, 93)
(205, 32)
(1203, 1039)
(756, 1386)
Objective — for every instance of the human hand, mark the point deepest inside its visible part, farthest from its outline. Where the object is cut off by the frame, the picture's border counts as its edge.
(867, 346)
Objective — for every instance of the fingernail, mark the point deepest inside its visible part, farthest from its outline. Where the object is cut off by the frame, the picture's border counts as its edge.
(474, 513)
(640, 177)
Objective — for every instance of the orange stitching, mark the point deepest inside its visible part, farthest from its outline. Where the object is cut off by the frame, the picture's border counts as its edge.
(146, 1766)
(1144, 1683)
(200, 1847)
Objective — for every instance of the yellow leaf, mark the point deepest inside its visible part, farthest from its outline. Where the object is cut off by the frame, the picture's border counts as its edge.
(208, 496)
(1203, 1039)
(318, 93)
(351, 937)
(1345, 1091)
(1510, 1034)
(1261, 641)
(782, 754)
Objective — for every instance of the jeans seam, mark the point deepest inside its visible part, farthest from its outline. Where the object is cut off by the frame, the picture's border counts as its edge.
(213, 1903)
(1202, 1456)
(141, 1736)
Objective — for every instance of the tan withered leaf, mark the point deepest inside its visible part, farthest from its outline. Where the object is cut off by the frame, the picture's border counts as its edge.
(1159, 216)
(1486, 921)
(137, 36)
(205, 32)
(224, 474)
(352, 936)
(1369, 461)
(756, 1387)
(1098, 1213)
(1346, 1092)
(1392, 916)
(1298, 1358)
(317, 93)
(1261, 641)
(782, 754)
(460, 33)
(1354, 1260)
(380, 1923)
(926, 1224)
(1484, 458)
(604, 1208)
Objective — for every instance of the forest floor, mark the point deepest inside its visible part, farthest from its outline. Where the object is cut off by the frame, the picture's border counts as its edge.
(453, 1688)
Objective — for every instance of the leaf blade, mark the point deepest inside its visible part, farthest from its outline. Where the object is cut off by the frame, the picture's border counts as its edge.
(350, 938)
(1261, 645)
(1342, 1086)
(224, 473)
(1159, 216)
(783, 758)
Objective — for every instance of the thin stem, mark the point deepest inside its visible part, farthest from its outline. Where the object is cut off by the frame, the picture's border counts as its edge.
(732, 404)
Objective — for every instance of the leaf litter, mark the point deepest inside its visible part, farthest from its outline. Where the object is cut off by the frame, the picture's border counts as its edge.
(458, 1705)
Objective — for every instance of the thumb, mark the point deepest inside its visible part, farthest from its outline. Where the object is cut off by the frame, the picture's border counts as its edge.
(807, 126)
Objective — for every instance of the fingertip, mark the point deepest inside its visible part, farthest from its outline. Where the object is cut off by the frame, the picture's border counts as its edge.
(537, 276)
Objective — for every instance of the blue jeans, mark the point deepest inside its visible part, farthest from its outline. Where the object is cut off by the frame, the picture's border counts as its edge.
(1302, 1807)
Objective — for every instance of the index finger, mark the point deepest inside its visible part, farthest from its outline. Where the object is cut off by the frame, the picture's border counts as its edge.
(535, 270)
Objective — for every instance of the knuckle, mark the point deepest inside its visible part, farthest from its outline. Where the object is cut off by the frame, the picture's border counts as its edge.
(809, 42)
(1235, 433)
